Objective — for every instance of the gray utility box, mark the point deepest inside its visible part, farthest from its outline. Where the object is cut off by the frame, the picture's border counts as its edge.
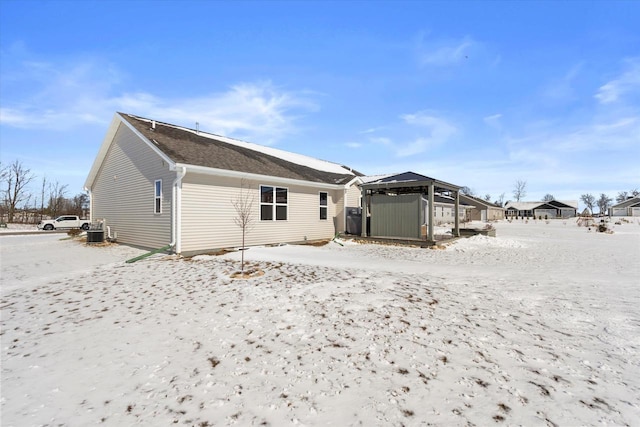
(354, 221)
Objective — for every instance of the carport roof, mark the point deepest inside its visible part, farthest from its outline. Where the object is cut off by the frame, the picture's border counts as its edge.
(406, 181)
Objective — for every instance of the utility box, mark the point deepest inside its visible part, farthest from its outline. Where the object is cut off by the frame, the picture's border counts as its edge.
(354, 221)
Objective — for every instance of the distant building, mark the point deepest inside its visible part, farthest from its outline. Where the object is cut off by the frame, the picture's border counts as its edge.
(551, 209)
(484, 211)
(630, 207)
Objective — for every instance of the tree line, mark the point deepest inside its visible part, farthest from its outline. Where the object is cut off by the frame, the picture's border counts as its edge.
(20, 203)
(604, 202)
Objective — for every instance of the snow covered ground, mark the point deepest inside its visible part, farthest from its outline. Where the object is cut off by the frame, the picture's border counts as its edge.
(538, 326)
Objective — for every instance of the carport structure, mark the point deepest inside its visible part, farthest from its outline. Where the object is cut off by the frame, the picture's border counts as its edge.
(394, 206)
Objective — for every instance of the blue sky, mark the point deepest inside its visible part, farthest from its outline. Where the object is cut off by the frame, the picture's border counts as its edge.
(479, 94)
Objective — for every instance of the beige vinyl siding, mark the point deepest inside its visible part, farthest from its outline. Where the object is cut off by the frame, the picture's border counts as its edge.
(353, 196)
(208, 214)
(123, 192)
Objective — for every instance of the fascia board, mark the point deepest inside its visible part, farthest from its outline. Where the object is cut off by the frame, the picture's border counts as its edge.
(152, 145)
(102, 152)
(356, 180)
(108, 140)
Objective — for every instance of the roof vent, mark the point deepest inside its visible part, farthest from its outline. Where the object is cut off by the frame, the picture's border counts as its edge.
(197, 127)
(153, 125)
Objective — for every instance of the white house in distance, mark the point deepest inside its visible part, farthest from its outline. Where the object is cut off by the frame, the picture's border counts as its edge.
(156, 184)
(549, 210)
(630, 207)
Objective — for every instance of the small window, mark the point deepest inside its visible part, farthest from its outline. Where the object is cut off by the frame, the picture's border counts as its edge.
(158, 196)
(323, 204)
(273, 203)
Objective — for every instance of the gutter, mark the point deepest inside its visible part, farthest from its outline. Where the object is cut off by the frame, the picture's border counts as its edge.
(176, 214)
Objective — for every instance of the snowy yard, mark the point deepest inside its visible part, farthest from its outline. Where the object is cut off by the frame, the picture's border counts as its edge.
(538, 326)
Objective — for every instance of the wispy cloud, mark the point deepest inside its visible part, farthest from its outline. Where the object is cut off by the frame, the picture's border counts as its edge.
(258, 112)
(372, 130)
(627, 82)
(64, 96)
(434, 131)
(561, 90)
(444, 52)
(382, 140)
(41, 94)
(493, 121)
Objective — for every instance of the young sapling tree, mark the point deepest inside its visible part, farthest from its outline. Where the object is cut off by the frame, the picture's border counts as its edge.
(243, 204)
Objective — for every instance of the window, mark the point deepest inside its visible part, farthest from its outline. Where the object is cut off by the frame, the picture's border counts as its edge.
(158, 196)
(273, 203)
(323, 204)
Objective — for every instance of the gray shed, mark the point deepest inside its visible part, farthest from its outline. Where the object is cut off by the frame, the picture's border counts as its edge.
(394, 209)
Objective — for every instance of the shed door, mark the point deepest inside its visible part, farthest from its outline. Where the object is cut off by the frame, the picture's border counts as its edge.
(483, 215)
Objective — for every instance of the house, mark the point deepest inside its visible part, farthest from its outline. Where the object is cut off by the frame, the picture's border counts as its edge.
(398, 206)
(630, 207)
(157, 184)
(546, 210)
(484, 210)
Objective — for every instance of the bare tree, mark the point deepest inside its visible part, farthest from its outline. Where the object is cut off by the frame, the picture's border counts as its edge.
(622, 196)
(467, 191)
(15, 179)
(243, 205)
(548, 198)
(56, 198)
(500, 201)
(603, 203)
(487, 197)
(520, 190)
(42, 193)
(78, 203)
(589, 201)
(635, 192)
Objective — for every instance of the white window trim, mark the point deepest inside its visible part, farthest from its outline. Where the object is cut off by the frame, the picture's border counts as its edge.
(274, 204)
(323, 206)
(157, 197)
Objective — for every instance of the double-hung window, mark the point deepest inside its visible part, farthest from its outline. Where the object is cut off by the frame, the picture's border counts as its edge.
(158, 196)
(324, 197)
(273, 203)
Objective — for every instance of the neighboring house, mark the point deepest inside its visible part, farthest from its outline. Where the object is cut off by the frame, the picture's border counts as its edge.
(630, 207)
(156, 184)
(444, 210)
(484, 211)
(550, 209)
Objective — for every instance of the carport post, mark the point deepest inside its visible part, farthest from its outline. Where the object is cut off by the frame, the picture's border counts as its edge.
(431, 208)
(365, 212)
(456, 232)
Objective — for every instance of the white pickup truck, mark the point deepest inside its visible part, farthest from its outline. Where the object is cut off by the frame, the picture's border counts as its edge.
(65, 221)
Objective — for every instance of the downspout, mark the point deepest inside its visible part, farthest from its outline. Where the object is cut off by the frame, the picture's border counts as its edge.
(176, 193)
(344, 210)
(90, 203)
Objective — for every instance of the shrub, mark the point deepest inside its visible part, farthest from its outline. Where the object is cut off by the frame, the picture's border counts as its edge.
(73, 232)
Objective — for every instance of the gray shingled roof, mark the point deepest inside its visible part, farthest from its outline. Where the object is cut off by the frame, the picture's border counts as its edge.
(188, 147)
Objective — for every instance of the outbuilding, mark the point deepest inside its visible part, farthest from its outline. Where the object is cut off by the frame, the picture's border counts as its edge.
(397, 206)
